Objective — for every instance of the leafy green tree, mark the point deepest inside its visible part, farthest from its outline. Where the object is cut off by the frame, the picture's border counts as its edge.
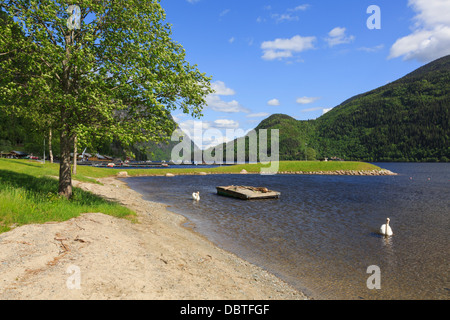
(113, 74)
(310, 154)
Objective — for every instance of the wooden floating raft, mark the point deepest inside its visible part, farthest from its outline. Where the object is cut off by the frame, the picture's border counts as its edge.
(247, 193)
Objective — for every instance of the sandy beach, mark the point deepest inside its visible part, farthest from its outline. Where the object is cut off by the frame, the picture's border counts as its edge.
(95, 256)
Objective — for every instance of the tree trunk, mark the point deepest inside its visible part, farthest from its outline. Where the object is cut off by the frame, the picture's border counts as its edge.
(65, 174)
(50, 151)
(75, 155)
(65, 177)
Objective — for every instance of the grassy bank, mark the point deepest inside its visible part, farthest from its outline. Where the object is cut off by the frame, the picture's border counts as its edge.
(89, 174)
(29, 195)
(284, 166)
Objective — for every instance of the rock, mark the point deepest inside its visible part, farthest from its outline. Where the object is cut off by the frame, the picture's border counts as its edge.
(170, 175)
(243, 171)
(202, 173)
(122, 174)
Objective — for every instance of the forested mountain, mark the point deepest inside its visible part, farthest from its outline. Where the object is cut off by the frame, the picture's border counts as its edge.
(406, 120)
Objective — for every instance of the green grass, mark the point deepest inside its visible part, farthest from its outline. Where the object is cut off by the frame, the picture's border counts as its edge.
(28, 195)
(284, 166)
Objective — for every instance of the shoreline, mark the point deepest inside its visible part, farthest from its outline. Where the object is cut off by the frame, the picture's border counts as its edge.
(156, 258)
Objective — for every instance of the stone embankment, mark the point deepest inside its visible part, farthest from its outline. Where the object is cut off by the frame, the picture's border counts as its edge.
(382, 172)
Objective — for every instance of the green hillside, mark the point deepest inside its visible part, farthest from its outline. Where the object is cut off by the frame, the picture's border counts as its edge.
(295, 136)
(406, 120)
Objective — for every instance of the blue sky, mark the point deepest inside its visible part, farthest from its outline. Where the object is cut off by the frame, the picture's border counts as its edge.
(300, 58)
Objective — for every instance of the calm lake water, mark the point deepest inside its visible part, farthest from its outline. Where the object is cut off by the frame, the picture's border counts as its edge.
(322, 234)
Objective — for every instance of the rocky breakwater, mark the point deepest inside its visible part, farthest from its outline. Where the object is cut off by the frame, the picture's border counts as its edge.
(381, 172)
(377, 172)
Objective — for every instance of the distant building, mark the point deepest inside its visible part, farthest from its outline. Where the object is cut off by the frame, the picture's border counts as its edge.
(14, 155)
(99, 157)
(91, 157)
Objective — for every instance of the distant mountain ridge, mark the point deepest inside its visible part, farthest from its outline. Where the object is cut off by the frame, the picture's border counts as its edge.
(405, 120)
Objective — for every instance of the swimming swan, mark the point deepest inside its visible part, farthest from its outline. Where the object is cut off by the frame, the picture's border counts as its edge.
(386, 229)
(196, 196)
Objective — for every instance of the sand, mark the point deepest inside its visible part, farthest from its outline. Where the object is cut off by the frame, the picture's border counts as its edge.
(96, 256)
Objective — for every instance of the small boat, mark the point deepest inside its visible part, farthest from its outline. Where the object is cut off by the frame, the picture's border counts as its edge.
(247, 193)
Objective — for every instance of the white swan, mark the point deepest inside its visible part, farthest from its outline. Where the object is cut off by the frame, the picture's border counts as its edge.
(386, 229)
(196, 196)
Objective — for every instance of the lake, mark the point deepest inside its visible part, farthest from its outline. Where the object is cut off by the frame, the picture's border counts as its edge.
(322, 234)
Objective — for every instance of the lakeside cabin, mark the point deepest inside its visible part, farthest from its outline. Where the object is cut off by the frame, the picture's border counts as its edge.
(14, 155)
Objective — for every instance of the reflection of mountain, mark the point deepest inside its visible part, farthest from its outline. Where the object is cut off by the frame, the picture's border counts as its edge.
(406, 120)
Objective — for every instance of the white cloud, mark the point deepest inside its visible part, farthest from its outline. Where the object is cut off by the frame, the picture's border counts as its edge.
(284, 17)
(307, 100)
(372, 49)
(221, 89)
(326, 110)
(226, 124)
(289, 15)
(338, 36)
(215, 102)
(272, 55)
(188, 126)
(177, 117)
(302, 7)
(258, 115)
(273, 102)
(194, 129)
(207, 134)
(231, 40)
(431, 12)
(423, 45)
(430, 38)
(284, 48)
(224, 12)
(192, 1)
(296, 43)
